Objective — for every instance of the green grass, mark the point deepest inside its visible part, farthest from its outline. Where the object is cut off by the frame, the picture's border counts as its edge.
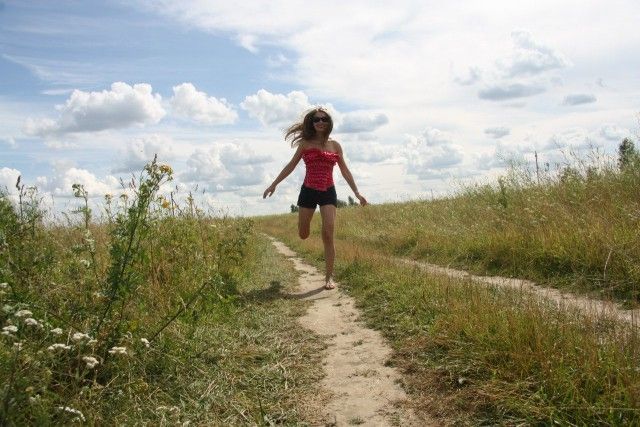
(576, 230)
(158, 315)
(473, 354)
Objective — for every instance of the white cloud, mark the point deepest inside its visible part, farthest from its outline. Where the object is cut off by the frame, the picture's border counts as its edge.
(505, 91)
(60, 184)
(355, 122)
(497, 132)
(369, 152)
(270, 108)
(8, 179)
(120, 107)
(198, 106)
(531, 57)
(579, 98)
(614, 133)
(141, 151)
(472, 75)
(227, 166)
(431, 154)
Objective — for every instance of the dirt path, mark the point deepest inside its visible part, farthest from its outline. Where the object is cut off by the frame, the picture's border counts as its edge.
(589, 306)
(363, 391)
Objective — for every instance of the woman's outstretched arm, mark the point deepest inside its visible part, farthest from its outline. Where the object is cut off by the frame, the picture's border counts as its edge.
(284, 173)
(346, 173)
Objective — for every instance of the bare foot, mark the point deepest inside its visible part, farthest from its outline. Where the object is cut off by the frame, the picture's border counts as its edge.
(330, 284)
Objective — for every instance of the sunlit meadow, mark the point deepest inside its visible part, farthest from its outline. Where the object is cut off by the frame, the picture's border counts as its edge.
(496, 355)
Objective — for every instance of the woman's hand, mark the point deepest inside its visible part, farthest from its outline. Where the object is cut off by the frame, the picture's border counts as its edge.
(363, 201)
(269, 191)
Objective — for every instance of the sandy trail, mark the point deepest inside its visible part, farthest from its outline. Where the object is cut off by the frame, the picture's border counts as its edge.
(589, 306)
(363, 391)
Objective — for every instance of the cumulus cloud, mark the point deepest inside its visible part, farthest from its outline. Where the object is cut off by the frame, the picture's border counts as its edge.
(368, 152)
(497, 132)
(613, 132)
(431, 154)
(61, 182)
(120, 107)
(227, 166)
(141, 151)
(270, 108)
(501, 92)
(198, 106)
(361, 122)
(579, 98)
(8, 179)
(531, 57)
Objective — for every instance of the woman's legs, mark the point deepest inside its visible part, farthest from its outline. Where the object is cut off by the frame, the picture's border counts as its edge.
(328, 213)
(304, 221)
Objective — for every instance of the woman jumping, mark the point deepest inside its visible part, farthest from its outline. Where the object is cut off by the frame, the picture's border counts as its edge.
(320, 154)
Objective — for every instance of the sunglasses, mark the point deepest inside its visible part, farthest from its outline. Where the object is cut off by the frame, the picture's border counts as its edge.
(324, 119)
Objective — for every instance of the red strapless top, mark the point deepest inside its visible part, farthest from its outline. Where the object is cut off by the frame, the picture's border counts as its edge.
(319, 168)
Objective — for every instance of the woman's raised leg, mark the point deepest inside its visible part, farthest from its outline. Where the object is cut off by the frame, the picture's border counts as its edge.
(328, 213)
(304, 222)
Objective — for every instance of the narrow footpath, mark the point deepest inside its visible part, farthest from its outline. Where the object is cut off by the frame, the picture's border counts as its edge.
(362, 390)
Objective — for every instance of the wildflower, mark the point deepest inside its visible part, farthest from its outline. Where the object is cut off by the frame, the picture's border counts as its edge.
(34, 399)
(165, 204)
(145, 342)
(4, 285)
(118, 350)
(92, 342)
(17, 346)
(56, 331)
(8, 330)
(23, 313)
(59, 346)
(79, 336)
(85, 262)
(90, 361)
(72, 411)
(7, 308)
(166, 169)
(30, 321)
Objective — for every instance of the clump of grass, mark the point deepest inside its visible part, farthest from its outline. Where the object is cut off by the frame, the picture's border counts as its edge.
(147, 317)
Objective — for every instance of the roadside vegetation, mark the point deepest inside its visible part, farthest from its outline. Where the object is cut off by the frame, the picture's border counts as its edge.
(501, 355)
(156, 314)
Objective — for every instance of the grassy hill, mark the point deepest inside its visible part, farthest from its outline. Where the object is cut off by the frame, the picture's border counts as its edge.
(495, 355)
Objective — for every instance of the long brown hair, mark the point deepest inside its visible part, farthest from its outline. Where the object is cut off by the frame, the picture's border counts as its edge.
(304, 130)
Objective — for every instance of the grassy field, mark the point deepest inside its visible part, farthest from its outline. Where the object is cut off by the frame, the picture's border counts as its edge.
(479, 354)
(160, 315)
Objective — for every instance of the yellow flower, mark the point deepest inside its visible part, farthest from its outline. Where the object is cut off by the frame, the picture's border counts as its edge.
(166, 169)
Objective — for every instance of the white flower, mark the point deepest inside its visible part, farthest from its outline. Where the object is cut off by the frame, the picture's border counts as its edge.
(56, 331)
(4, 285)
(145, 342)
(118, 350)
(23, 313)
(17, 346)
(79, 336)
(72, 411)
(90, 361)
(11, 329)
(7, 308)
(58, 346)
(92, 342)
(30, 321)
(34, 399)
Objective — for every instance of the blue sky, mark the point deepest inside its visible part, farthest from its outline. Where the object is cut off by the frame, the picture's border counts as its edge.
(425, 95)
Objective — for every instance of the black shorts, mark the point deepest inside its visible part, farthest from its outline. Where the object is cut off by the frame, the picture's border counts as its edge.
(310, 197)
